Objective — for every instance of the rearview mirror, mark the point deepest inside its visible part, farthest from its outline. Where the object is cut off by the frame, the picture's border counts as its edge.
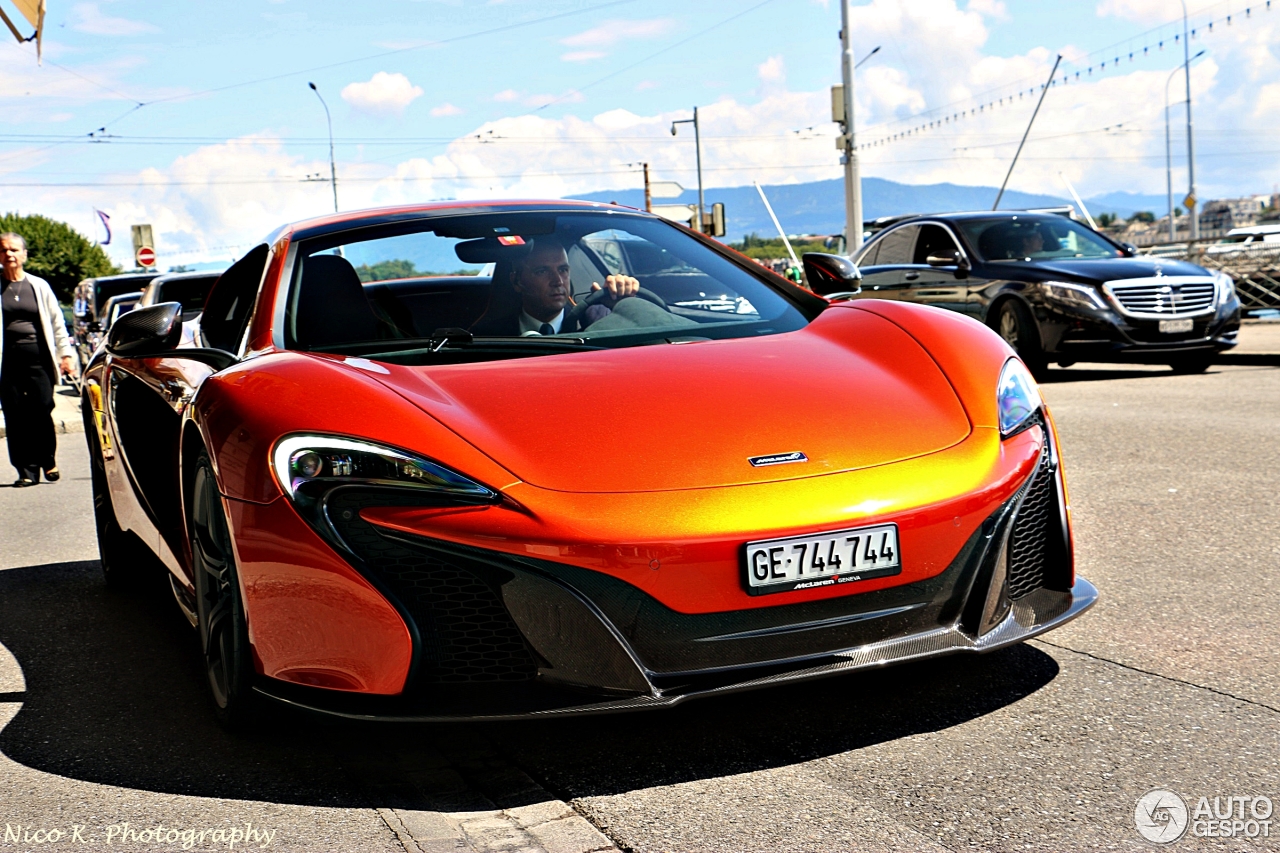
(830, 274)
(155, 332)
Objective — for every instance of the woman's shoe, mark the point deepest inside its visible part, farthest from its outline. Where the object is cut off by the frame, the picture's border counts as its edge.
(52, 474)
(23, 482)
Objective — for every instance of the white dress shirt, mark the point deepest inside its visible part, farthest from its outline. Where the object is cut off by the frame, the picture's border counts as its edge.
(530, 325)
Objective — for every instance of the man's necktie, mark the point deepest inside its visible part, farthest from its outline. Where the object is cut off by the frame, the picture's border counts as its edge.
(546, 329)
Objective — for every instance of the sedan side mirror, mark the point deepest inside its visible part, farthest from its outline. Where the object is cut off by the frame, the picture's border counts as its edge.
(831, 274)
(154, 332)
(955, 259)
(1130, 249)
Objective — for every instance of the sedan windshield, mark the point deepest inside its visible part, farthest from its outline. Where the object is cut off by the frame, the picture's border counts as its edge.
(522, 283)
(1033, 237)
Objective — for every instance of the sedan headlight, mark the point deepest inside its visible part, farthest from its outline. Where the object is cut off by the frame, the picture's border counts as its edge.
(1017, 398)
(1077, 295)
(1225, 287)
(309, 465)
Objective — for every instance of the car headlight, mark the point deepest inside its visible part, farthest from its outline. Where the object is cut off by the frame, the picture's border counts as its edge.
(307, 466)
(1225, 287)
(1078, 295)
(1017, 398)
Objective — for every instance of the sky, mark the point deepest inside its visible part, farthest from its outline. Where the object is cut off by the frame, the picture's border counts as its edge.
(197, 117)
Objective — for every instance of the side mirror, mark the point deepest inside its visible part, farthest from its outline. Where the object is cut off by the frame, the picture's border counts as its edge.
(155, 328)
(831, 274)
(955, 259)
(154, 332)
(1130, 249)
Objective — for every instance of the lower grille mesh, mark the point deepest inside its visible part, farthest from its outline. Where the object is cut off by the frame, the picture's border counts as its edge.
(1037, 548)
(467, 634)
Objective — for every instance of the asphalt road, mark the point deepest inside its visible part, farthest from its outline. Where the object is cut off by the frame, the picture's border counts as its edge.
(1171, 681)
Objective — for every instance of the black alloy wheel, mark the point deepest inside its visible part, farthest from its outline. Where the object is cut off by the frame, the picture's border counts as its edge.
(1195, 363)
(126, 561)
(224, 635)
(1015, 324)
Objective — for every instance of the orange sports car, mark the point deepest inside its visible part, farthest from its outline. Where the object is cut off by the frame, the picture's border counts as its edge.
(512, 459)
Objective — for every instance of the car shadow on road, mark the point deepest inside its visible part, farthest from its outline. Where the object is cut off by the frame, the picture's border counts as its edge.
(115, 695)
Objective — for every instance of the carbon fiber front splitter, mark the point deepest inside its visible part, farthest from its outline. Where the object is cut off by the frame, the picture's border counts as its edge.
(1034, 614)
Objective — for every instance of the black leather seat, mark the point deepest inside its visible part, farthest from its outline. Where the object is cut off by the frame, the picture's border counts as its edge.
(332, 308)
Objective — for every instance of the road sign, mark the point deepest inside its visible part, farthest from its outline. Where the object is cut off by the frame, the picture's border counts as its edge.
(146, 256)
(1189, 202)
(665, 189)
(683, 213)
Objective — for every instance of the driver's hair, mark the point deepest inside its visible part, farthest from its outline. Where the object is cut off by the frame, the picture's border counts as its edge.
(536, 244)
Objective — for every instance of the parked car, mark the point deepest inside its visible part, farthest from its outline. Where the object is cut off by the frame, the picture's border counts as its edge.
(188, 289)
(1246, 239)
(1054, 289)
(90, 298)
(367, 508)
(96, 330)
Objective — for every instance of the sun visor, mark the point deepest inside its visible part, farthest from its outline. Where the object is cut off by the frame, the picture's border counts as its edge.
(489, 250)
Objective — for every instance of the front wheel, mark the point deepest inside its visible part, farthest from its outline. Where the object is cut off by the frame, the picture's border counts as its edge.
(1015, 324)
(224, 635)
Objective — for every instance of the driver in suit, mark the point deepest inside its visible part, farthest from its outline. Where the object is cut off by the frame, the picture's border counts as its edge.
(541, 280)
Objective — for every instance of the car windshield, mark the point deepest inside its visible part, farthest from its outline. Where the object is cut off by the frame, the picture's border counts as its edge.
(1031, 237)
(522, 283)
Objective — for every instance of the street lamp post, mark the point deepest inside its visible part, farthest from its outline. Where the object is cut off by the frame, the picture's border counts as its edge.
(852, 180)
(1191, 148)
(697, 142)
(1168, 153)
(333, 168)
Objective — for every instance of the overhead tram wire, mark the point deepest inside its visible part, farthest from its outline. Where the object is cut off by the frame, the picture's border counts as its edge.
(654, 55)
(312, 69)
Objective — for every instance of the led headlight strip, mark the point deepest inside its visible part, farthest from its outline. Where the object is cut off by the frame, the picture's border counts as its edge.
(1017, 398)
(299, 460)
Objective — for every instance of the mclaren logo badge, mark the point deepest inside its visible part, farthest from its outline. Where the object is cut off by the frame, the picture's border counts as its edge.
(777, 459)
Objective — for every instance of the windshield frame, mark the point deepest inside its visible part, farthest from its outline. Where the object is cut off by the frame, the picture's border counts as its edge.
(806, 303)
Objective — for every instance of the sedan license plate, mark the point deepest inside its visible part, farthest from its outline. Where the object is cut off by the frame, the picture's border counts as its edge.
(826, 559)
(1171, 327)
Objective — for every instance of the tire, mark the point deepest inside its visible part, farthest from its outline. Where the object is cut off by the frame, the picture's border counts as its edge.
(1014, 323)
(221, 623)
(127, 563)
(1187, 364)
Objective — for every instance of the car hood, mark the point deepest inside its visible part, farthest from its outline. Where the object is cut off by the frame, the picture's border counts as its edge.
(1096, 270)
(849, 391)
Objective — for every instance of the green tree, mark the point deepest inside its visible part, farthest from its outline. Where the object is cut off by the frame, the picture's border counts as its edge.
(1106, 220)
(58, 253)
(385, 270)
(1142, 216)
(755, 246)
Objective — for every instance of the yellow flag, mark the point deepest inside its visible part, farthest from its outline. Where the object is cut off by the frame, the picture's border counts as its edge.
(34, 12)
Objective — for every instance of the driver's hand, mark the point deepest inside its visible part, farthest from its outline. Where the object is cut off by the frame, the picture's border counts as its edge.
(619, 286)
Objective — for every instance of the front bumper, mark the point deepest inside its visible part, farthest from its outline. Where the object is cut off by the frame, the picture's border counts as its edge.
(500, 636)
(1072, 335)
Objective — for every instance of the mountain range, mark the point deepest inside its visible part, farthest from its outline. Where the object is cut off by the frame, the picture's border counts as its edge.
(818, 207)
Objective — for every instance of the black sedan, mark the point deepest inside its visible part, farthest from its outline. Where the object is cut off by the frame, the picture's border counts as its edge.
(1054, 289)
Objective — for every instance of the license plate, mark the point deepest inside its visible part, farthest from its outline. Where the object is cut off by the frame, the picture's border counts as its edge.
(1169, 327)
(820, 560)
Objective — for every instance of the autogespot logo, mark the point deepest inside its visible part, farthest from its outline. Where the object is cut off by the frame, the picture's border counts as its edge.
(1161, 816)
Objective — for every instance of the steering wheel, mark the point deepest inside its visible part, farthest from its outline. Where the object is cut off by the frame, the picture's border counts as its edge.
(595, 297)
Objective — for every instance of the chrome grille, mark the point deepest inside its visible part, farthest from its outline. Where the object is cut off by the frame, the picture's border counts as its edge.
(1163, 296)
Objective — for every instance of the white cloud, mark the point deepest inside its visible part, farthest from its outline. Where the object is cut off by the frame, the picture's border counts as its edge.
(446, 109)
(617, 30)
(1144, 11)
(991, 8)
(582, 55)
(772, 70)
(383, 95)
(507, 96)
(89, 18)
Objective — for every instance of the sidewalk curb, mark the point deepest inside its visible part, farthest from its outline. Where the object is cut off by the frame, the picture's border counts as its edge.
(66, 414)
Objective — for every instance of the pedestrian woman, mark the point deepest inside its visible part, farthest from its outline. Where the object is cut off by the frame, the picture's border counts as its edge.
(33, 348)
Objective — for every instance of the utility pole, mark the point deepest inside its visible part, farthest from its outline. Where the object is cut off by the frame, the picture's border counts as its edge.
(697, 140)
(1191, 148)
(333, 168)
(852, 180)
(648, 197)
